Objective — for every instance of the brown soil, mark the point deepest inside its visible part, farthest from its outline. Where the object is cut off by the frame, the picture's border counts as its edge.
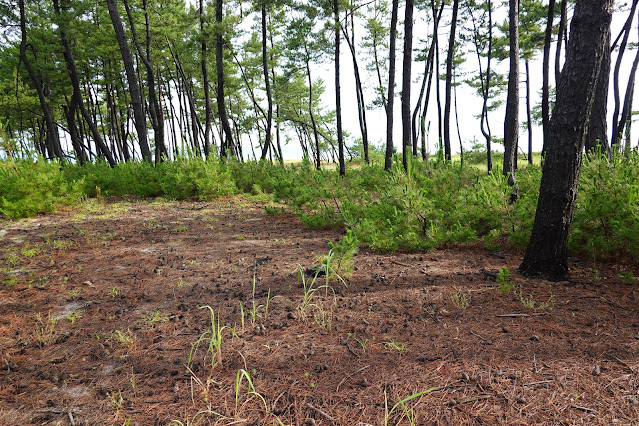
(99, 312)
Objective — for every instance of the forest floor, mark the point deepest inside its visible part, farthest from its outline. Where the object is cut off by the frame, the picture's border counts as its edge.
(99, 313)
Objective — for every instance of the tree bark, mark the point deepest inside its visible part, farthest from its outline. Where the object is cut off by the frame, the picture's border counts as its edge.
(406, 83)
(449, 81)
(388, 158)
(547, 252)
(134, 88)
(598, 128)
(511, 121)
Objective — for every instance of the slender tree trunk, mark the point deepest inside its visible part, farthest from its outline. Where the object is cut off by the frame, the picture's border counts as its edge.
(426, 82)
(338, 94)
(318, 159)
(406, 83)
(616, 132)
(388, 163)
(219, 63)
(52, 129)
(449, 82)
(69, 113)
(511, 121)
(267, 84)
(205, 79)
(545, 90)
(359, 91)
(626, 113)
(134, 89)
(547, 252)
(560, 36)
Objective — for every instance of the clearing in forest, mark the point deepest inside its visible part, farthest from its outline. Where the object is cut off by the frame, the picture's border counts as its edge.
(133, 312)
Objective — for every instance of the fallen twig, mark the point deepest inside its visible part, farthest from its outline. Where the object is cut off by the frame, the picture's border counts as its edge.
(320, 412)
(512, 315)
(481, 337)
(625, 364)
(400, 263)
(586, 409)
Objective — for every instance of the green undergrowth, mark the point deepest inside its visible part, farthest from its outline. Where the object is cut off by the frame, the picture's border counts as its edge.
(433, 205)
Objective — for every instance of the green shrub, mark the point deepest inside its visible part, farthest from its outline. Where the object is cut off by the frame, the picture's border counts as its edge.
(29, 188)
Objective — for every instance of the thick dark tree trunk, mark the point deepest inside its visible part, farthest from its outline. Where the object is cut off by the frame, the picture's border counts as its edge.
(52, 129)
(134, 88)
(547, 253)
(598, 128)
(449, 81)
(545, 91)
(388, 162)
(511, 121)
(338, 94)
(406, 83)
(205, 80)
(219, 63)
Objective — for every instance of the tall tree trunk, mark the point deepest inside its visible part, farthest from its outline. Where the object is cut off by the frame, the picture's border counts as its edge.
(219, 63)
(485, 84)
(547, 252)
(511, 121)
(359, 91)
(545, 90)
(318, 159)
(69, 113)
(426, 83)
(598, 128)
(626, 112)
(338, 94)
(205, 80)
(77, 93)
(134, 88)
(406, 83)
(267, 84)
(52, 129)
(449, 81)
(388, 163)
(622, 49)
(560, 37)
(157, 118)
